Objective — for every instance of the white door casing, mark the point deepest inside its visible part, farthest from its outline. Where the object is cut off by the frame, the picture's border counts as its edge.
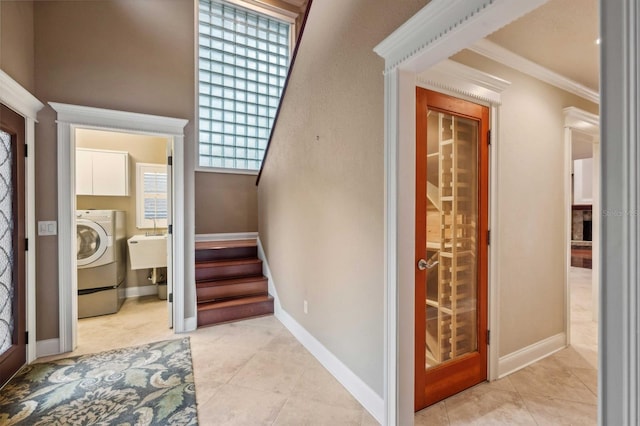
(16, 97)
(69, 118)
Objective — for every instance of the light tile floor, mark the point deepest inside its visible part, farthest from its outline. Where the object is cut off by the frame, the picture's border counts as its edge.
(558, 390)
(255, 372)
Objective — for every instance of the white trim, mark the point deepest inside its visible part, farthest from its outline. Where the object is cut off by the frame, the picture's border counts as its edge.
(83, 116)
(619, 331)
(139, 291)
(578, 120)
(17, 98)
(226, 237)
(271, 287)
(506, 57)
(444, 27)
(494, 248)
(47, 347)
(464, 81)
(440, 29)
(366, 396)
(227, 171)
(526, 356)
(70, 117)
(190, 323)
(370, 400)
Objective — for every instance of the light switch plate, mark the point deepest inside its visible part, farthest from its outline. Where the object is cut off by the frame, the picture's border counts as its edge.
(47, 227)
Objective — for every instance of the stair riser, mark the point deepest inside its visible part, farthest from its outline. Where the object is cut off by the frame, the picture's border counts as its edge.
(219, 315)
(209, 293)
(229, 271)
(229, 253)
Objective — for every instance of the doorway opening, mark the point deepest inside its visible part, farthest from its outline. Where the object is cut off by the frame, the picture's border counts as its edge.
(121, 227)
(72, 118)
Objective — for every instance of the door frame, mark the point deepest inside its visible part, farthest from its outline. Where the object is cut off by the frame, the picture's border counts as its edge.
(16, 97)
(70, 118)
(436, 32)
(578, 120)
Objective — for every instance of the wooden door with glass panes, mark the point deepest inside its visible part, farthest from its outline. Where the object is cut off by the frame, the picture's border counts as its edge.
(451, 246)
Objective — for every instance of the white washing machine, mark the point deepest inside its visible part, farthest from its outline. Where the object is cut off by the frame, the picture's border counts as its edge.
(101, 240)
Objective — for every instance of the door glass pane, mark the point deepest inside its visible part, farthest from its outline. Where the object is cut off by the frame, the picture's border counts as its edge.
(88, 241)
(452, 235)
(7, 282)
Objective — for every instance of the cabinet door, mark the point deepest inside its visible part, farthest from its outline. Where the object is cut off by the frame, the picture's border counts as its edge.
(110, 173)
(84, 172)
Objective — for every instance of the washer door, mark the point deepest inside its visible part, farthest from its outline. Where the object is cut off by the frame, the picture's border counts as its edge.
(92, 242)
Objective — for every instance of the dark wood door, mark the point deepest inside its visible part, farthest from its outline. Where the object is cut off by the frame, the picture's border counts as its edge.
(451, 246)
(12, 244)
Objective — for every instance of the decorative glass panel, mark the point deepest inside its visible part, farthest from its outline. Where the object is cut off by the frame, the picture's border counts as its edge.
(243, 59)
(7, 283)
(452, 236)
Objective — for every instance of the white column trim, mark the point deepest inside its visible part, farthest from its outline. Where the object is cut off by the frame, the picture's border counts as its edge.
(70, 117)
(17, 98)
(619, 333)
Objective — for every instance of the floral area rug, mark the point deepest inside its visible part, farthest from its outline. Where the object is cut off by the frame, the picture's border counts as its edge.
(145, 385)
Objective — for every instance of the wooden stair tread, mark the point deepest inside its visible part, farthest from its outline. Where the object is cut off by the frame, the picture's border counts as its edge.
(222, 263)
(213, 245)
(229, 281)
(234, 302)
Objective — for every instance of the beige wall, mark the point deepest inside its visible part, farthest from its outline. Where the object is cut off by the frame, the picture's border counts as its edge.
(229, 202)
(226, 203)
(321, 192)
(531, 205)
(16, 42)
(119, 54)
(141, 149)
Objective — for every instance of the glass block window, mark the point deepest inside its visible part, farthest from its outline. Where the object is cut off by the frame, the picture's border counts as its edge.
(151, 192)
(243, 63)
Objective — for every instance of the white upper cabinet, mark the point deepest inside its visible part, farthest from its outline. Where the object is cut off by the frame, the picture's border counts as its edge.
(583, 181)
(100, 172)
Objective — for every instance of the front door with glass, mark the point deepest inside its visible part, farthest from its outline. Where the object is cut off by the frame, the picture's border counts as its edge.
(12, 244)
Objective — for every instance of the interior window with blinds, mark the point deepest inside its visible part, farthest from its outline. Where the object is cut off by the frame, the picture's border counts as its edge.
(243, 62)
(151, 192)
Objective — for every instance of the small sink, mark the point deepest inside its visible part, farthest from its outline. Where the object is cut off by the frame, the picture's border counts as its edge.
(147, 251)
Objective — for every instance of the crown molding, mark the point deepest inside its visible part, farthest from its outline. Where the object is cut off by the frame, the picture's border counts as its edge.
(506, 57)
(98, 117)
(461, 79)
(583, 121)
(18, 98)
(444, 27)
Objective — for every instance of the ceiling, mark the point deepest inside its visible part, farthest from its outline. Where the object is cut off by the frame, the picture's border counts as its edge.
(560, 35)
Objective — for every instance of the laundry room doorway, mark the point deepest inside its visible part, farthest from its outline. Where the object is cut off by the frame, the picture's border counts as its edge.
(116, 172)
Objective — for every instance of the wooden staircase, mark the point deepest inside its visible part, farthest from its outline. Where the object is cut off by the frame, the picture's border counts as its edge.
(229, 282)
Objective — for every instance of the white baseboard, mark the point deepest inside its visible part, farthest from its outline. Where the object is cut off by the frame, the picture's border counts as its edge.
(370, 400)
(526, 356)
(267, 273)
(47, 347)
(226, 237)
(190, 324)
(144, 290)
